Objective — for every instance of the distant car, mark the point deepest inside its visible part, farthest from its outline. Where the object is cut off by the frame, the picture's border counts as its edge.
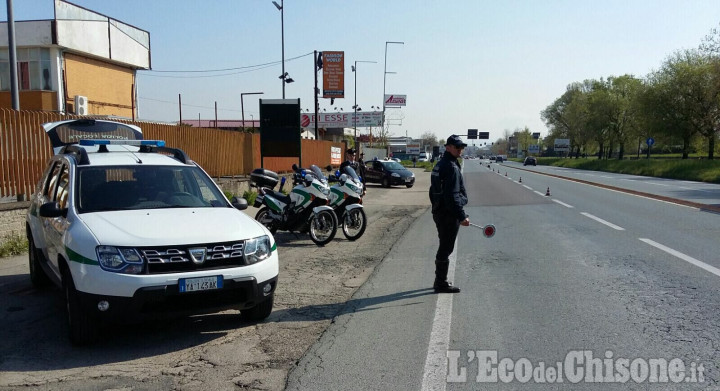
(530, 160)
(388, 173)
(499, 159)
(492, 157)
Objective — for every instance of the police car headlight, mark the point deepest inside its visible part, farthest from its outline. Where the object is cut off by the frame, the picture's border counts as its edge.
(256, 249)
(395, 174)
(119, 260)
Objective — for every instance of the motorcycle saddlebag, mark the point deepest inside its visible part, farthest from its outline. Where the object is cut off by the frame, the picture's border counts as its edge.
(264, 178)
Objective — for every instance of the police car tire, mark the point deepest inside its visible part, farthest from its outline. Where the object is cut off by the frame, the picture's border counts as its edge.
(37, 275)
(260, 311)
(408, 186)
(385, 182)
(82, 327)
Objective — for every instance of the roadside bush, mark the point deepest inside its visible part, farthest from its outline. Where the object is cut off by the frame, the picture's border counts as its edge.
(690, 170)
(13, 244)
(250, 196)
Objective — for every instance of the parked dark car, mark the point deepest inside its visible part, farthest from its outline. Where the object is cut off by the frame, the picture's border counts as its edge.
(388, 173)
(530, 160)
(499, 159)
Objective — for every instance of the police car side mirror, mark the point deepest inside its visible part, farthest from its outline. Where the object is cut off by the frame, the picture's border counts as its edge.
(239, 203)
(52, 209)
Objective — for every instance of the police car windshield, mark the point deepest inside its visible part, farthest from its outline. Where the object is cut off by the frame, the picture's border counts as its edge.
(110, 188)
(391, 165)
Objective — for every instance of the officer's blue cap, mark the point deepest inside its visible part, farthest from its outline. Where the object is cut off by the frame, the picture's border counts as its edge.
(455, 140)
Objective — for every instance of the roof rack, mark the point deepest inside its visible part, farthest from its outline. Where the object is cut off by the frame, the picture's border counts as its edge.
(77, 152)
(176, 153)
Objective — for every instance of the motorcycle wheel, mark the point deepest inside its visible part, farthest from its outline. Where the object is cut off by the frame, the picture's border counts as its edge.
(264, 218)
(323, 227)
(354, 223)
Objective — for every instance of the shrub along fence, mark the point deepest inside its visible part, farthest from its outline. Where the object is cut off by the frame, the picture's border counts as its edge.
(25, 149)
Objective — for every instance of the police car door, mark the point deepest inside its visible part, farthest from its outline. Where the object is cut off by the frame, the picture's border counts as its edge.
(57, 190)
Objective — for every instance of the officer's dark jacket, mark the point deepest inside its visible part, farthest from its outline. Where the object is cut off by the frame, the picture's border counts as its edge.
(447, 189)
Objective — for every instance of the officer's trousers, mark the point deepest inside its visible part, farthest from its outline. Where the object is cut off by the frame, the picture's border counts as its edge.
(447, 226)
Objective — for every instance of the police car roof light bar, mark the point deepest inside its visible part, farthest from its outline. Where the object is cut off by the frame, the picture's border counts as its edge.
(92, 142)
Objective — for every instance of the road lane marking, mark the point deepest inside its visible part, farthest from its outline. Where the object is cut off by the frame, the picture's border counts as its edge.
(527, 187)
(540, 193)
(682, 256)
(563, 204)
(435, 373)
(599, 220)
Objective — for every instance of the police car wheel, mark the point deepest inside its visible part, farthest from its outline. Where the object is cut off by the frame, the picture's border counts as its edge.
(82, 327)
(260, 311)
(37, 275)
(385, 182)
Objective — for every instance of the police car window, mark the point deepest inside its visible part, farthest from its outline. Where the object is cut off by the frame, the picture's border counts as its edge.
(51, 184)
(63, 187)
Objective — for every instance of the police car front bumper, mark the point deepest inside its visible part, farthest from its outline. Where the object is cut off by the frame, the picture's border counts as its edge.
(240, 293)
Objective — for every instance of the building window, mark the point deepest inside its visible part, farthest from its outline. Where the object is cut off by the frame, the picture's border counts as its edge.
(33, 67)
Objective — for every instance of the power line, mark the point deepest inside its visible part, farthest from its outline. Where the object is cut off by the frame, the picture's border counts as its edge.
(244, 69)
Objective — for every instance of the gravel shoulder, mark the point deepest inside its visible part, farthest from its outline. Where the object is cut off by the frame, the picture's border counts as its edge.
(218, 351)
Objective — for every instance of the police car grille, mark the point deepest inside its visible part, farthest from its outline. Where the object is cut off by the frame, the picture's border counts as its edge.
(178, 259)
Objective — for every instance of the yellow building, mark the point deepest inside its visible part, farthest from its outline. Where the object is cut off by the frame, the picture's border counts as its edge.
(81, 62)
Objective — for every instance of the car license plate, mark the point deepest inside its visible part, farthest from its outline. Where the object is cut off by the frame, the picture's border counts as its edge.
(200, 284)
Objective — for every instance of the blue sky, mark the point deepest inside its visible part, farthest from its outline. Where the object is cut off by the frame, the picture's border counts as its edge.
(490, 65)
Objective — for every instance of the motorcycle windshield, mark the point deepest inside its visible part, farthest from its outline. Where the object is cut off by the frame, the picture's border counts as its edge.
(318, 174)
(351, 173)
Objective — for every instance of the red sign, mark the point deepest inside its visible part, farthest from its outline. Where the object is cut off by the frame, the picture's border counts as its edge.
(305, 120)
(333, 74)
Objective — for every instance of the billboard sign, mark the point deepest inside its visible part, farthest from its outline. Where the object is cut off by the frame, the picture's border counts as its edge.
(335, 155)
(533, 148)
(395, 100)
(333, 74)
(413, 149)
(279, 128)
(342, 120)
(561, 145)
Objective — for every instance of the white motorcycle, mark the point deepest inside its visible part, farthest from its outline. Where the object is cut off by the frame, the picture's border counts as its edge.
(304, 210)
(346, 201)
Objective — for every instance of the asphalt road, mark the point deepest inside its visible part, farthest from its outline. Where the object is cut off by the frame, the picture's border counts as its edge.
(625, 283)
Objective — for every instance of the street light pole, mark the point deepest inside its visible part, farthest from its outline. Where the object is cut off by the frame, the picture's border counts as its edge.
(385, 79)
(355, 107)
(242, 106)
(281, 8)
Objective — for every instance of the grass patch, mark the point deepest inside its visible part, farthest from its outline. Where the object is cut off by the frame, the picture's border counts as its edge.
(690, 170)
(13, 244)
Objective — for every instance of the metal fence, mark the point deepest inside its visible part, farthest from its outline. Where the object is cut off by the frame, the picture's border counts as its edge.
(25, 149)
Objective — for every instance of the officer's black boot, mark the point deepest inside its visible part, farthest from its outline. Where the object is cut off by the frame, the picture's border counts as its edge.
(441, 284)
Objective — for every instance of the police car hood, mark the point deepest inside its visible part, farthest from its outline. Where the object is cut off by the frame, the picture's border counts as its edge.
(153, 227)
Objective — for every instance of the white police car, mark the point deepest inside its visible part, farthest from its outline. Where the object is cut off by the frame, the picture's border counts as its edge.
(127, 226)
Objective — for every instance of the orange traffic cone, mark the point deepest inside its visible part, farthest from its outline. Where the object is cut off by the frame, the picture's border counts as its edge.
(547, 193)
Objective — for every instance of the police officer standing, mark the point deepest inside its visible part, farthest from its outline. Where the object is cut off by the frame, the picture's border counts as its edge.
(448, 197)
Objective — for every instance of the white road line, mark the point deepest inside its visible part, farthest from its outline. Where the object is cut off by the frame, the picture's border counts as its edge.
(435, 374)
(599, 220)
(539, 193)
(684, 257)
(527, 187)
(563, 204)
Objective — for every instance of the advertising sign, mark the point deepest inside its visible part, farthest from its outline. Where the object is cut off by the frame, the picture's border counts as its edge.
(335, 155)
(562, 144)
(342, 120)
(333, 74)
(413, 149)
(279, 127)
(395, 100)
(533, 148)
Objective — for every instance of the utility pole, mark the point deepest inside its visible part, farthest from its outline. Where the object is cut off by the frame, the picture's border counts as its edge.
(14, 91)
